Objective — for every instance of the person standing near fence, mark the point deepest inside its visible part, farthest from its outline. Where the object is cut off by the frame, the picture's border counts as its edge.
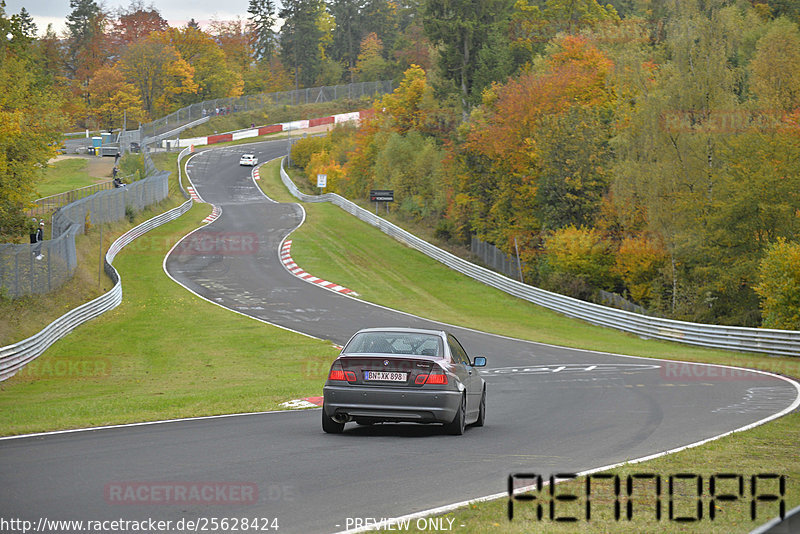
(34, 231)
(37, 247)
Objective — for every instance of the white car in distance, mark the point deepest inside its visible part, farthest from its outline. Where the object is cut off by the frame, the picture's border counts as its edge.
(248, 159)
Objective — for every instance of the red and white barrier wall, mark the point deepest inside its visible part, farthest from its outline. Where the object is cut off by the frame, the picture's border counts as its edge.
(272, 128)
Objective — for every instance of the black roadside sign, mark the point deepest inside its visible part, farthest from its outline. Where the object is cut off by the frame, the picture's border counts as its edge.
(381, 195)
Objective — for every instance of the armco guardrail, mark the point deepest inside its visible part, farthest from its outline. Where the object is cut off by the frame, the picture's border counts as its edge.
(175, 131)
(783, 342)
(14, 357)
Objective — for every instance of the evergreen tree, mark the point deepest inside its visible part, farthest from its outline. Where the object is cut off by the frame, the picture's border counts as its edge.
(300, 39)
(379, 17)
(85, 50)
(80, 21)
(347, 34)
(461, 29)
(26, 25)
(262, 18)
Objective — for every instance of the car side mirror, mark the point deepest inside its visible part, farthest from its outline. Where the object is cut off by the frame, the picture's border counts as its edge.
(480, 361)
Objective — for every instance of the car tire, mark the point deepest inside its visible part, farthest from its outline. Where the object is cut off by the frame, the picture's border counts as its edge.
(458, 424)
(482, 410)
(329, 425)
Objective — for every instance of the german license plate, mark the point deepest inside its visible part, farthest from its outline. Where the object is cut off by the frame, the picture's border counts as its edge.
(385, 376)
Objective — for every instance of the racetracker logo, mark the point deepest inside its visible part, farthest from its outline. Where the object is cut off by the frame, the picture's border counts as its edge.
(201, 243)
(83, 367)
(720, 121)
(687, 372)
(171, 493)
(219, 244)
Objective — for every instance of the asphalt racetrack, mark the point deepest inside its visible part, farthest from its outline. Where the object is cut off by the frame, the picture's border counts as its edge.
(549, 409)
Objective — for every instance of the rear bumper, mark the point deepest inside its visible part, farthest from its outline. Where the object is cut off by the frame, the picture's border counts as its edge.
(391, 404)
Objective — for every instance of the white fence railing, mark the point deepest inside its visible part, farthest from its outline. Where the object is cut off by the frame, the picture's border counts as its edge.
(783, 342)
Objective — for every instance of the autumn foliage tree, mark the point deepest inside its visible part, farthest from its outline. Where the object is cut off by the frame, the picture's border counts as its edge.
(511, 149)
(159, 73)
(115, 99)
(406, 106)
(234, 38)
(86, 44)
(637, 262)
(394, 148)
(534, 24)
(371, 66)
(584, 256)
(210, 70)
(30, 122)
(779, 287)
(135, 22)
(776, 67)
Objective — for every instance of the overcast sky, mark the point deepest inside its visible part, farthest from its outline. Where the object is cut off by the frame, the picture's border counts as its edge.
(177, 13)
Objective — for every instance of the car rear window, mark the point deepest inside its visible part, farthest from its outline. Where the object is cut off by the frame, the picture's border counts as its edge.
(409, 343)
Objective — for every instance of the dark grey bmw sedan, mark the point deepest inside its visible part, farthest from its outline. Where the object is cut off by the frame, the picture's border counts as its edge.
(404, 375)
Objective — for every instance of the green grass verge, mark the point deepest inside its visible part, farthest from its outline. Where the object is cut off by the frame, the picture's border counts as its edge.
(338, 247)
(65, 175)
(168, 161)
(271, 183)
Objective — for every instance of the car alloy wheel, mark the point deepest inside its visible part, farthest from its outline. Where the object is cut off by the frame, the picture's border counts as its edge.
(457, 426)
(482, 411)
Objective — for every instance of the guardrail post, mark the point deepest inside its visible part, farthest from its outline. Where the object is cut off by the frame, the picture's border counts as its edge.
(16, 274)
(30, 272)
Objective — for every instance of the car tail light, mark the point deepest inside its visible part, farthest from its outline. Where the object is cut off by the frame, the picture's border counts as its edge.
(339, 374)
(436, 377)
(336, 374)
